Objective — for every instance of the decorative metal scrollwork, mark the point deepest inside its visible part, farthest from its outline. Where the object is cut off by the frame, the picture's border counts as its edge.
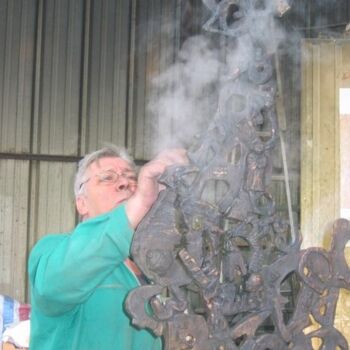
(218, 263)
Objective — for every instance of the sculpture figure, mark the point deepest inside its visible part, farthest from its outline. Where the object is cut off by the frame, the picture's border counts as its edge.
(218, 266)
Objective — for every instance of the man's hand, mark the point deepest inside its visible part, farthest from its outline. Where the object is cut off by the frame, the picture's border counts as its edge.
(148, 187)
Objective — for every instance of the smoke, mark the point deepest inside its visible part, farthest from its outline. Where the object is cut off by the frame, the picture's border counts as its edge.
(185, 98)
(186, 95)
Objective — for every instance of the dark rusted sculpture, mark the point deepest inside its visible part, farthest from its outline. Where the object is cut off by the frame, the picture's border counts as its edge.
(218, 263)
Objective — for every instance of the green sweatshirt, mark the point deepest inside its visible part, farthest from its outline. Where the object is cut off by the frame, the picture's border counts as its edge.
(79, 282)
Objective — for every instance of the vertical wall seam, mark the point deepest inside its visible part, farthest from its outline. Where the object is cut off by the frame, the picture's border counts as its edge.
(34, 118)
(129, 112)
(84, 81)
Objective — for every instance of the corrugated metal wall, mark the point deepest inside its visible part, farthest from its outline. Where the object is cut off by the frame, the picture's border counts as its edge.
(77, 74)
(325, 70)
(14, 194)
(157, 39)
(73, 76)
(17, 39)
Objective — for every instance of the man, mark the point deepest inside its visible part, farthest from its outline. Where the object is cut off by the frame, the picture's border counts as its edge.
(79, 280)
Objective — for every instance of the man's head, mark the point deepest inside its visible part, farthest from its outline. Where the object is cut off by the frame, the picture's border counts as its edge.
(104, 179)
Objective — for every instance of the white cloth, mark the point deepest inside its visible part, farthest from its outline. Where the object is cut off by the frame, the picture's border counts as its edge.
(18, 334)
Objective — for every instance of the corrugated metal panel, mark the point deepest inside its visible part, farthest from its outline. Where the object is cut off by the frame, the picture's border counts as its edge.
(107, 74)
(17, 26)
(291, 99)
(147, 135)
(60, 49)
(52, 199)
(156, 42)
(328, 13)
(325, 70)
(13, 227)
(315, 18)
(320, 159)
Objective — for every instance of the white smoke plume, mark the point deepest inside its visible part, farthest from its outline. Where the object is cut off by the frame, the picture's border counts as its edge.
(187, 93)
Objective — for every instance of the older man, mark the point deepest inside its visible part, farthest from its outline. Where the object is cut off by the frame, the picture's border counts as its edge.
(79, 280)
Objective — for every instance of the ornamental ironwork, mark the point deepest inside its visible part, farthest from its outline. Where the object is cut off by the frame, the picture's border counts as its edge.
(218, 261)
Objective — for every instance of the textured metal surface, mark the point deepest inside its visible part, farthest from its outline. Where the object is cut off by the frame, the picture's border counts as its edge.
(17, 37)
(324, 61)
(324, 72)
(156, 43)
(218, 265)
(56, 117)
(319, 18)
(107, 74)
(13, 226)
(52, 202)
(63, 82)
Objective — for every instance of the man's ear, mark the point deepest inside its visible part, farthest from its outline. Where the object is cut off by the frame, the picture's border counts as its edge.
(81, 205)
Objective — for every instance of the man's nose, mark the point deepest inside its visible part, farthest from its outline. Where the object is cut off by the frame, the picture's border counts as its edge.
(122, 184)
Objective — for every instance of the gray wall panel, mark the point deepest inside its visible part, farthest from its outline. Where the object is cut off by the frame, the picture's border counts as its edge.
(17, 25)
(157, 39)
(57, 116)
(52, 199)
(319, 18)
(147, 53)
(14, 176)
(108, 74)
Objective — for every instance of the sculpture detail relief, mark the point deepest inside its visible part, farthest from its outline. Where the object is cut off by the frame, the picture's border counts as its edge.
(218, 261)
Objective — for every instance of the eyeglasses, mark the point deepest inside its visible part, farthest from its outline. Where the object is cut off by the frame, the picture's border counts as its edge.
(110, 177)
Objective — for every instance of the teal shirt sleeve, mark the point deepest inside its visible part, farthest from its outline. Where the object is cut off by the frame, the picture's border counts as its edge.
(65, 269)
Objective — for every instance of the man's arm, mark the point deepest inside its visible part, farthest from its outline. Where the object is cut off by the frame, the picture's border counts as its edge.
(65, 269)
(148, 187)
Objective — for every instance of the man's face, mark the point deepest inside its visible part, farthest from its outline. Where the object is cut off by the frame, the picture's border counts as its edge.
(108, 182)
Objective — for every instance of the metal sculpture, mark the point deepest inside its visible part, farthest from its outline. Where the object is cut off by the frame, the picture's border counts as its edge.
(217, 263)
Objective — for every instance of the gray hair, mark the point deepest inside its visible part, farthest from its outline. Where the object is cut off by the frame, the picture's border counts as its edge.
(105, 152)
